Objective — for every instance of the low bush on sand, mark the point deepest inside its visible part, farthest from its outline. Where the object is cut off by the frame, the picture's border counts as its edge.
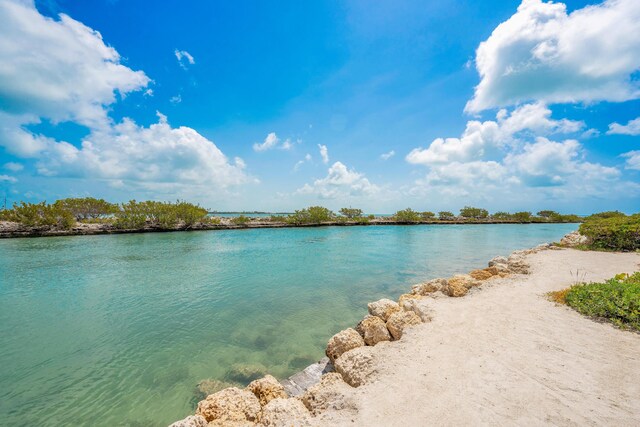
(614, 233)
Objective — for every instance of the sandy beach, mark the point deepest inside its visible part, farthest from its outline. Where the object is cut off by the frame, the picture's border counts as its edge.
(505, 355)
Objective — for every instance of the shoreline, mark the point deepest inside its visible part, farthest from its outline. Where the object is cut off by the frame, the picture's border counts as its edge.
(11, 230)
(322, 395)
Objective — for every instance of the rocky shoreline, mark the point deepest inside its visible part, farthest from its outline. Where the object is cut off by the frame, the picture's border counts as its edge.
(302, 398)
(16, 230)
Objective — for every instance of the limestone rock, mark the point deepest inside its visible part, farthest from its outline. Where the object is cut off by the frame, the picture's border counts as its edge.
(383, 308)
(266, 389)
(330, 393)
(191, 421)
(343, 341)
(499, 260)
(231, 404)
(284, 413)
(517, 264)
(373, 330)
(574, 239)
(455, 289)
(356, 366)
(429, 287)
(485, 273)
(420, 307)
(244, 373)
(462, 280)
(230, 423)
(399, 321)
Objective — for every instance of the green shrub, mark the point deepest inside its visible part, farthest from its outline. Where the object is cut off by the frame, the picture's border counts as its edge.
(240, 220)
(617, 233)
(406, 215)
(427, 216)
(473, 213)
(87, 207)
(446, 216)
(350, 213)
(311, 215)
(607, 214)
(277, 218)
(616, 300)
(502, 216)
(39, 215)
(522, 216)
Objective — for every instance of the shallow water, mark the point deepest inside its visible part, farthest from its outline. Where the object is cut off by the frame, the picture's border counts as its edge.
(118, 330)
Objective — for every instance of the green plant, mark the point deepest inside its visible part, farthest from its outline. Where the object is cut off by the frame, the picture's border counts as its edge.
(311, 215)
(616, 300)
(240, 220)
(617, 233)
(406, 215)
(502, 216)
(87, 208)
(350, 213)
(522, 216)
(446, 216)
(427, 216)
(474, 213)
(40, 214)
(607, 214)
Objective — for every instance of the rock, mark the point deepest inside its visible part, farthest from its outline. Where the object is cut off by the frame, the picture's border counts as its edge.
(343, 341)
(266, 389)
(231, 404)
(574, 239)
(484, 274)
(459, 285)
(405, 297)
(373, 330)
(191, 421)
(229, 423)
(429, 287)
(299, 382)
(330, 393)
(245, 373)
(210, 386)
(357, 366)
(499, 260)
(420, 307)
(517, 264)
(399, 321)
(383, 308)
(284, 413)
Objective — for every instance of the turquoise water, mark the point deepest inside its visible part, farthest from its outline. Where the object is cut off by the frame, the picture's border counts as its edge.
(118, 330)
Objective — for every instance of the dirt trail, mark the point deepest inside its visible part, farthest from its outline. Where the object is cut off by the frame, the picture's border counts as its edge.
(505, 355)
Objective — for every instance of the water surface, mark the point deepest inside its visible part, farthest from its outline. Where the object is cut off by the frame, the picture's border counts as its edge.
(117, 330)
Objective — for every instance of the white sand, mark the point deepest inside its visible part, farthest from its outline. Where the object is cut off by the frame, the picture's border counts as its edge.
(505, 355)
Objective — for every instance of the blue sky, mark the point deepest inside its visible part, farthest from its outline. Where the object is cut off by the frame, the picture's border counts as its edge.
(506, 105)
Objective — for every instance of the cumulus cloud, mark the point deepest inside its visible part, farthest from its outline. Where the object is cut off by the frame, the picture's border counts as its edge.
(542, 53)
(480, 137)
(387, 156)
(13, 166)
(184, 58)
(633, 160)
(154, 154)
(271, 142)
(340, 182)
(7, 178)
(631, 128)
(324, 153)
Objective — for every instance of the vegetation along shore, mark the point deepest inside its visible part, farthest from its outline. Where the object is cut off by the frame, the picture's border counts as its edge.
(89, 216)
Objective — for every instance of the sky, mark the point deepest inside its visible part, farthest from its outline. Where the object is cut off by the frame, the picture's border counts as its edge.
(274, 106)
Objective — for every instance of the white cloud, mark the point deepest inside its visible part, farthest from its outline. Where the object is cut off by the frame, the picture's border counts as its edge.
(155, 155)
(542, 53)
(340, 182)
(60, 69)
(271, 142)
(7, 178)
(481, 137)
(299, 163)
(13, 166)
(387, 156)
(176, 99)
(631, 128)
(633, 160)
(324, 153)
(184, 58)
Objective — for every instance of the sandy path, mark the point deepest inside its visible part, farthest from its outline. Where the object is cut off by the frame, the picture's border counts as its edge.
(504, 355)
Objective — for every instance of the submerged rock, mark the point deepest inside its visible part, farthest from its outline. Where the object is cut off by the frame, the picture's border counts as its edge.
(210, 386)
(266, 389)
(231, 404)
(399, 321)
(191, 421)
(429, 287)
(330, 393)
(373, 330)
(285, 412)
(356, 366)
(383, 308)
(343, 341)
(245, 373)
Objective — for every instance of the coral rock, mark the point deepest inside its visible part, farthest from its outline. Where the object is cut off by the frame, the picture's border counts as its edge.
(399, 321)
(285, 412)
(383, 308)
(373, 330)
(499, 260)
(484, 274)
(429, 287)
(574, 239)
(191, 421)
(461, 281)
(330, 393)
(231, 404)
(357, 366)
(420, 307)
(343, 341)
(517, 264)
(266, 389)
